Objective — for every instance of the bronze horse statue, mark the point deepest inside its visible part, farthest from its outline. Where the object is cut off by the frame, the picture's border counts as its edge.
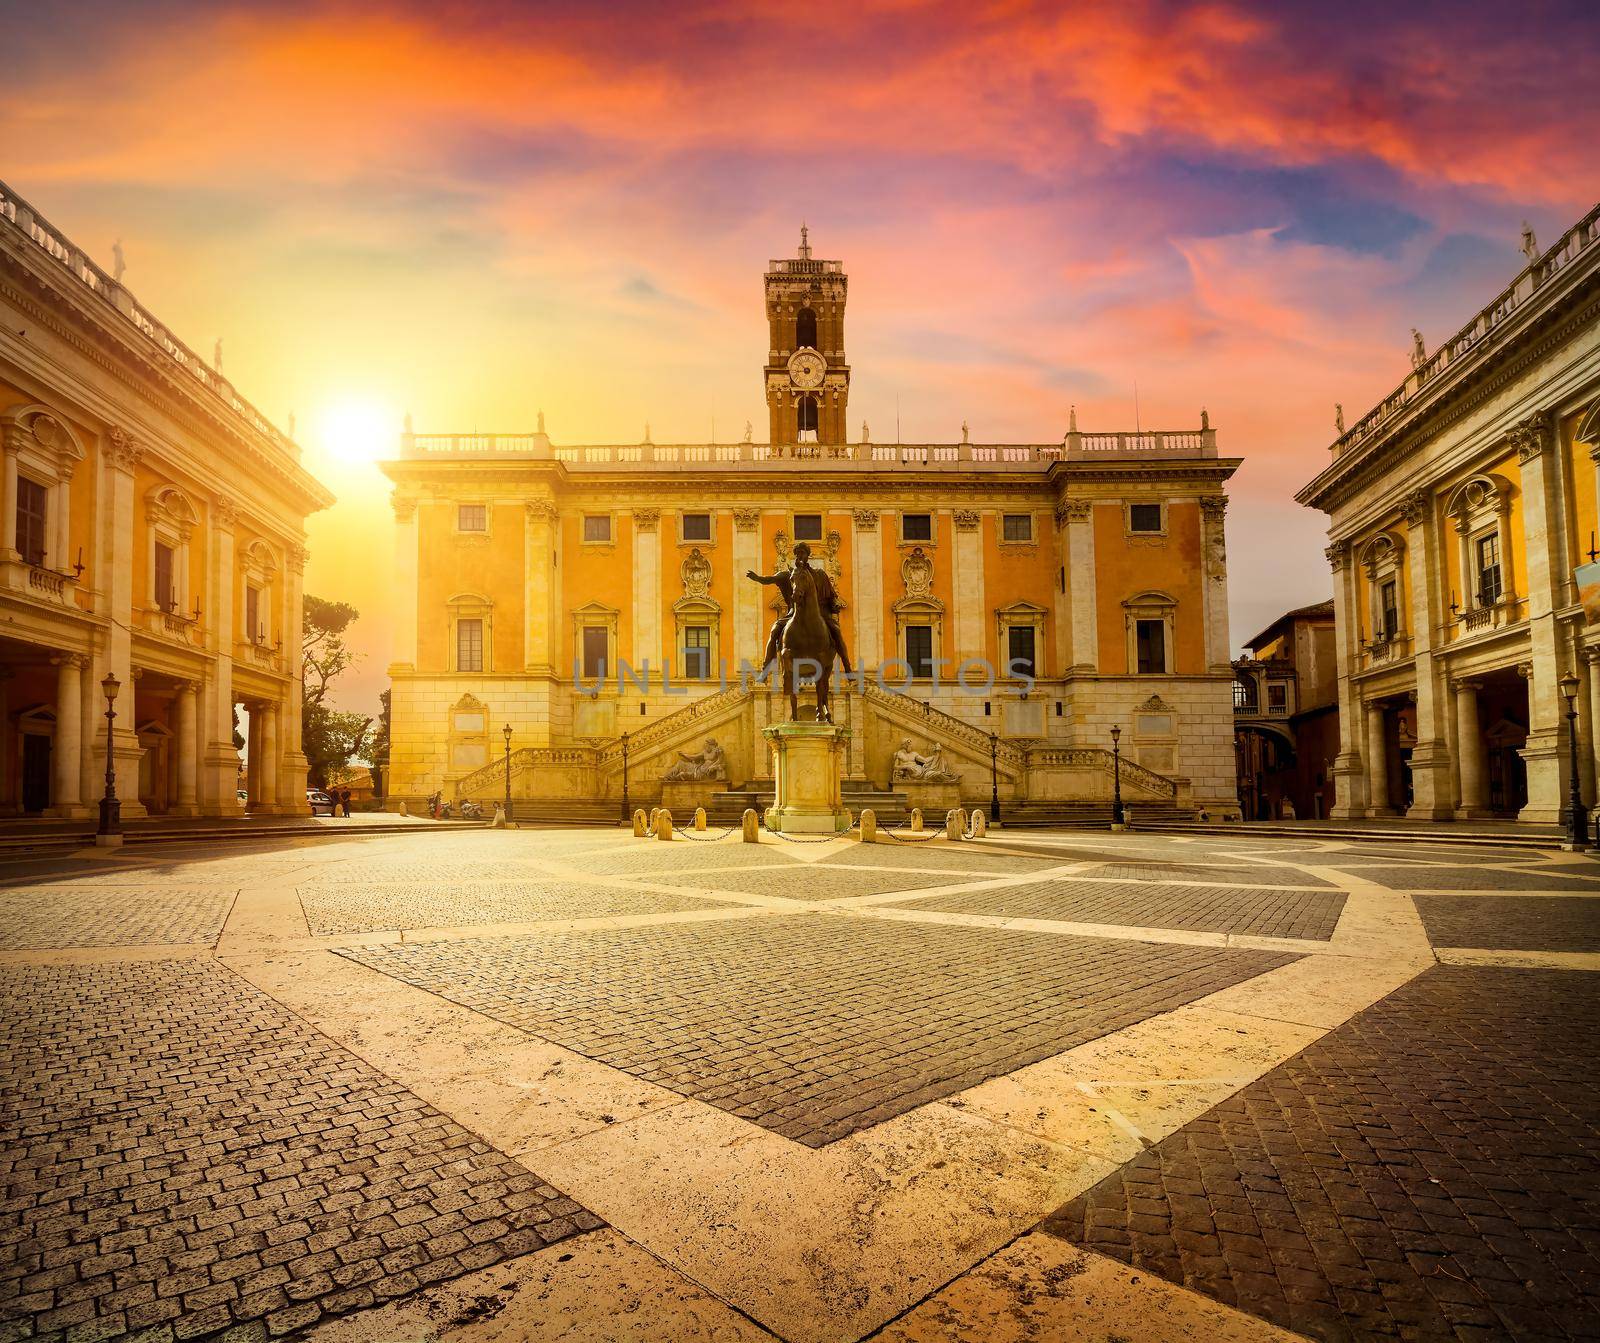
(807, 639)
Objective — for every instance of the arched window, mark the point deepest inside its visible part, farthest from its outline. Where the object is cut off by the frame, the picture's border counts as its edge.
(805, 330)
(806, 419)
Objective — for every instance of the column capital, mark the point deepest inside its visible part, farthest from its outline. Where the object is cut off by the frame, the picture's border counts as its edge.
(405, 507)
(1591, 655)
(64, 660)
(1531, 436)
(967, 519)
(746, 519)
(122, 453)
(1466, 684)
(1337, 555)
(1213, 507)
(295, 556)
(646, 519)
(866, 519)
(225, 511)
(1416, 507)
(541, 510)
(1073, 510)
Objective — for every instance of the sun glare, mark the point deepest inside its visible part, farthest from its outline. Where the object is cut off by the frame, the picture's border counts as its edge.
(356, 430)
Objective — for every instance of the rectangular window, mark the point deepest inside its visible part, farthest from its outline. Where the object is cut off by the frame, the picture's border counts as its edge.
(697, 526)
(166, 596)
(696, 652)
(33, 511)
(1277, 696)
(808, 526)
(1019, 650)
(472, 517)
(596, 652)
(252, 616)
(1490, 584)
(1144, 517)
(916, 526)
(1151, 638)
(919, 649)
(1016, 527)
(1389, 606)
(469, 645)
(597, 526)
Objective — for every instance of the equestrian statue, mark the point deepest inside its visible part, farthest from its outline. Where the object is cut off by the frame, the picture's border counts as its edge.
(807, 632)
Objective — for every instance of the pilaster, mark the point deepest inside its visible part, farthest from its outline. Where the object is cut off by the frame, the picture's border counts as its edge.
(1546, 583)
(1082, 595)
(968, 585)
(1432, 784)
(1349, 775)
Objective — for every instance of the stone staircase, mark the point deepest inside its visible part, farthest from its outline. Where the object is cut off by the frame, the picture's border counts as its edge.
(551, 813)
(728, 807)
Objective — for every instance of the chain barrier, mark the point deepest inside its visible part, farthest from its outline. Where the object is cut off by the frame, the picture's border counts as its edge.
(706, 837)
(921, 838)
(796, 839)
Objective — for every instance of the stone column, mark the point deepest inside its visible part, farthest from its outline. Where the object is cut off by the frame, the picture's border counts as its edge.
(1081, 591)
(1473, 769)
(869, 589)
(188, 747)
(1431, 784)
(405, 581)
(1349, 772)
(255, 726)
(968, 589)
(12, 445)
(114, 575)
(538, 586)
(1214, 548)
(747, 631)
(8, 757)
(221, 780)
(291, 760)
(1591, 657)
(1544, 527)
(1061, 651)
(67, 757)
(270, 754)
(1377, 761)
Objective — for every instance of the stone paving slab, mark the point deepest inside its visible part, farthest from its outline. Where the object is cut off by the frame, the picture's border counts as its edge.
(345, 907)
(815, 1027)
(649, 855)
(976, 860)
(415, 868)
(1261, 912)
(817, 881)
(1429, 1170)
(178, 1152)
(86, 915)
(1252, 874)
(1510, 922)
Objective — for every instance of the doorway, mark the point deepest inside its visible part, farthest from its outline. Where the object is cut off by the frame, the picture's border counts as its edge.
(36, 751)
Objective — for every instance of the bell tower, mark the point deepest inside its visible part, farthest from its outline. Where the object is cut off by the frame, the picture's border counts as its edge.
(808, 381)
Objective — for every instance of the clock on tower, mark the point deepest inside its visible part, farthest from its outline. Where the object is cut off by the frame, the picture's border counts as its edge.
(807, 378)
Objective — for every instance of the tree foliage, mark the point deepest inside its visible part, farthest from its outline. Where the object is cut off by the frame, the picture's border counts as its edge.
(329, 736)
(378, 748)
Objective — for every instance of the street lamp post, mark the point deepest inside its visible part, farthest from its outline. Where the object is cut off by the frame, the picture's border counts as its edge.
(1117, 817)
(507, 734)
(110, 832)
(627, 810)
(994, 779)
(1577, 817)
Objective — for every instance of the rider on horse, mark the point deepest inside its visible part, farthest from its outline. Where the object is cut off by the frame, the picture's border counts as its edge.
(827, 600)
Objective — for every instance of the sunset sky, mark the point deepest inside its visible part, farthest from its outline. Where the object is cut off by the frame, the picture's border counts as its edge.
(473, 212)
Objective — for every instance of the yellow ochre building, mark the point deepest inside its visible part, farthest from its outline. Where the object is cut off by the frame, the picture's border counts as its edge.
(1076, 586)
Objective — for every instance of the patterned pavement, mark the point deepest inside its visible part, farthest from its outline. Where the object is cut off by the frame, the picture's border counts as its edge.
(134, 914)
(346, 907)
(1527, 923)
(816, 881)
(1208, 909)
(176, 1148)
(815, 1027)
(1429, 1170)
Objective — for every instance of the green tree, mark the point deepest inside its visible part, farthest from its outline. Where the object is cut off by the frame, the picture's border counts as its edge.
(378, 749)
(329, 736)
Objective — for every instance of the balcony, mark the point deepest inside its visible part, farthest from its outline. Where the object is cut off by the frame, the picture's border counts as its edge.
(39, 582)
(1477, 620)
(173, 625)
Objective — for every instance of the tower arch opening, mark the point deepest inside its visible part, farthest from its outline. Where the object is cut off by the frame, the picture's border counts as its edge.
(806, 419)
(805, 329)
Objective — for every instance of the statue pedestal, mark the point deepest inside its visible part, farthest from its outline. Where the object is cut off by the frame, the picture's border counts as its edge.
(682, 796)
(935, 798)
(808, 764)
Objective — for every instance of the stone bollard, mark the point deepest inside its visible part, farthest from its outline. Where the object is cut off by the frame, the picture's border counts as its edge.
(952, 823)
(869, 826)
(752, 826)
(663, 823)
(403, 810)
(980, 824)
(499, 821)
(641, 825)
(654, 812)
(916, 818)
(699, 818)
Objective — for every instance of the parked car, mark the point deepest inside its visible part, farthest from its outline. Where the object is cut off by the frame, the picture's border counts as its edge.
(321, 804)
(243, 794)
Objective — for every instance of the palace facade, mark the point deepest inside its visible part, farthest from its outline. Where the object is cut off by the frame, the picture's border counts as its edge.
(1089, 574)
(1459, 508)
(153, 532)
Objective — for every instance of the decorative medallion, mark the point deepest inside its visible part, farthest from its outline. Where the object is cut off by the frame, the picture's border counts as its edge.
(917, 571)
(696, 574)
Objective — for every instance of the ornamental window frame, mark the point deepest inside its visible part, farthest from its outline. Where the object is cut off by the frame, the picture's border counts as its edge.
(927, 611)
(1156, 606)
(170, 520)
(596, 615)
(259, 569)
(488, 515)
(1481, 506)
(1033, 529)
(38, 443)
(465, 606)
(588, 515)
(709, 539)
(1019, 615)
(1382, 558)
(1161, 517)
(697, 613)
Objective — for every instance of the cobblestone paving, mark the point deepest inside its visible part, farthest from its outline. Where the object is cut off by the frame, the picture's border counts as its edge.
(432, 869)
(177, 1152)
(1487, 879)
(82, 915)
(815, 1027)
(1250, 874)
(1206, 909)
(1429, 1170)
(649, 855)
(816, 882)
(975, 862)
(1511, 922)
(348, 908)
